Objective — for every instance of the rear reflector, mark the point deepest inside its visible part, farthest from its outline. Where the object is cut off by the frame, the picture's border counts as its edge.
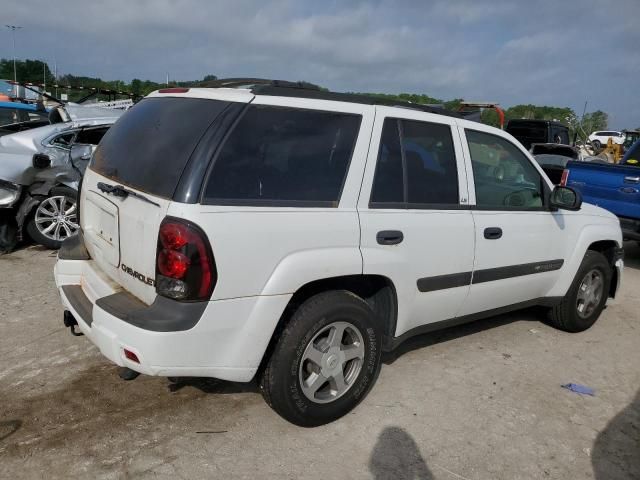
(131, 356)
(564, 178)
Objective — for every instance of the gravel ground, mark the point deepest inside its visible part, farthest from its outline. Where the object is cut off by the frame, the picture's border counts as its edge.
(482, 401)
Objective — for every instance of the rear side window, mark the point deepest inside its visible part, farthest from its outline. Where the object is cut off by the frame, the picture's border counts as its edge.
(150, 145)
(416, 166)
(284, 156)
(91, 136)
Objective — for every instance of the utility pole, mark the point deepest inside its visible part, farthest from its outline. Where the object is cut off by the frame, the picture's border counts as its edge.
(13, 29)
(167, 79)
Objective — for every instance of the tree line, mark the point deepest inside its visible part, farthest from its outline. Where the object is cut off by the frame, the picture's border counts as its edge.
(37, 71)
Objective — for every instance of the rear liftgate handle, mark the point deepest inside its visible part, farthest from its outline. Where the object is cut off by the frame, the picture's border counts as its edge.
(492, 233)
(389, 237)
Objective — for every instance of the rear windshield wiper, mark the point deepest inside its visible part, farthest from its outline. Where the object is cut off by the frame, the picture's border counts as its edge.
(123, 192)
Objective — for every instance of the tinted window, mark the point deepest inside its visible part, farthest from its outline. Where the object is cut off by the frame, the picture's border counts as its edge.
(149, 146)
(282, 155)
(388, 183)
(432, 174)
(429, 165)
(504, 176)
(91, 136)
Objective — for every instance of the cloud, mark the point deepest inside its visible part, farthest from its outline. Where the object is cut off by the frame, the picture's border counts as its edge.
(508, 51)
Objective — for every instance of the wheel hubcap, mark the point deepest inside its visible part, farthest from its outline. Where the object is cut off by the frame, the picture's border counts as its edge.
(56, 217)
(589, 293)
(331, 362)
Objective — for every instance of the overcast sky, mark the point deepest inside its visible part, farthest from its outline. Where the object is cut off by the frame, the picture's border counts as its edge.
(548, 52)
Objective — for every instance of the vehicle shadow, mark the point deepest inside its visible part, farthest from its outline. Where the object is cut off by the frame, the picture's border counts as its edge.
(616, 451)
(632, 255)
(397, 456)
(212, 385)
(533, 314)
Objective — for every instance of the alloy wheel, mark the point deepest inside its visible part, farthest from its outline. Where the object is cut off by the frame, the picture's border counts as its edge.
(56, 217)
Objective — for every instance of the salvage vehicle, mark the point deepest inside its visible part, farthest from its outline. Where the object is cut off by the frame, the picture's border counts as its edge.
(41, 180)
(16, 117)
(529, 132)
(613, 187)
(553, 158)
(285, 232)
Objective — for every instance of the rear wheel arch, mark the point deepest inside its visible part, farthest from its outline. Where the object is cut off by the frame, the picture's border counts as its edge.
(378, 291)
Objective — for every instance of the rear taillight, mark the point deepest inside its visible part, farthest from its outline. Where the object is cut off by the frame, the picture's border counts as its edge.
(185, 269)
(564, 178)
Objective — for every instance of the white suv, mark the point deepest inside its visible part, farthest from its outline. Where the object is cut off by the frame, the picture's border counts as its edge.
(295, 234)
(600, 138)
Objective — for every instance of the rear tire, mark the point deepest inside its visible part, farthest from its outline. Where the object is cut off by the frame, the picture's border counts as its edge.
(326, 359)
(596, 146)
(65, 226)
(586, 297)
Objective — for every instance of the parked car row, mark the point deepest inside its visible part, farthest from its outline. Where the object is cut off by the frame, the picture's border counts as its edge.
(39, 178)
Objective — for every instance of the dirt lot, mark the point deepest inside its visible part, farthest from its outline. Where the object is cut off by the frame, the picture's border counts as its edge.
(481, 401)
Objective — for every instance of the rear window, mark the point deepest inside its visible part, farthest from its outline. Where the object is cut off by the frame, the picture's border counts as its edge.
(285, 157)
(150, 145)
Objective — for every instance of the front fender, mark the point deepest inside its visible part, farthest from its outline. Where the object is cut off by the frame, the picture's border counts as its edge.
(300, 268)
(587, 236)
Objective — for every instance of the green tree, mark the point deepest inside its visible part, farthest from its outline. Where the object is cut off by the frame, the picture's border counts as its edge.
(27, 71)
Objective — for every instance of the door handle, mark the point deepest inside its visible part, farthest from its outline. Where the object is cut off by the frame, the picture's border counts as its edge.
(492, 233)
(631, 179)
(389, 237)
(628, 190)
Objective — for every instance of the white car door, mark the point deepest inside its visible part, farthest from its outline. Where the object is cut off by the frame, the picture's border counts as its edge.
(521, 245)
(416, 228)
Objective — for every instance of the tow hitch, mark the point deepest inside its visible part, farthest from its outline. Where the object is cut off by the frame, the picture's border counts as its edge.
(71, 323)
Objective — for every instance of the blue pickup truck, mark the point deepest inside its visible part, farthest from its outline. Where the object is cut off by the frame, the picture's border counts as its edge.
(613, 187)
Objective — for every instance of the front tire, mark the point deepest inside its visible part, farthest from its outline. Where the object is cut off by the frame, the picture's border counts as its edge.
(55, 218)
(585, 300)
(326, 359)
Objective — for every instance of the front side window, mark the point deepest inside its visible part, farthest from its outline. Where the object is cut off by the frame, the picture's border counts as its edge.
(504, 177)
(416, 166)
(285, 156)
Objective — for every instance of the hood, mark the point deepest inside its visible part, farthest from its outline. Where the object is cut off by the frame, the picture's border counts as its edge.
(595, 211)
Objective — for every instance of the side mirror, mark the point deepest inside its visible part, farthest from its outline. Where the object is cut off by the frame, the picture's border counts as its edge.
(565, 198)
(40, 160)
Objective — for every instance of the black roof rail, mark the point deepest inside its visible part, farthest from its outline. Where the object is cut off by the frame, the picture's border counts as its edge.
(255, 82)
(279, 91)
(283, 88)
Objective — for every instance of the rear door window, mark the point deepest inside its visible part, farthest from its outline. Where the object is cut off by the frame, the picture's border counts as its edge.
(416, 166)
(150, 145)
(284, 156)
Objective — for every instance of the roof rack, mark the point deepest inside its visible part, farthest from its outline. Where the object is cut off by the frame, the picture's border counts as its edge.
(255, 82)
(283, 88)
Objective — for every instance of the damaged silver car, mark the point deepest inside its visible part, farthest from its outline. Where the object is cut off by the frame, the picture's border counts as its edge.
(40, 171)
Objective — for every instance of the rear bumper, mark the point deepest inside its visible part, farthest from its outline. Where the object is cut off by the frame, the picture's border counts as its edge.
(226, 342)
